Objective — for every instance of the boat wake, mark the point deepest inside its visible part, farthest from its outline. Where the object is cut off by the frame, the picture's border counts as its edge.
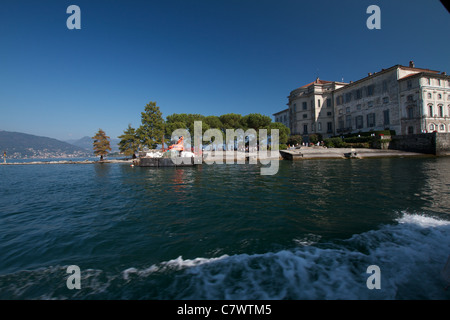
(410, 254)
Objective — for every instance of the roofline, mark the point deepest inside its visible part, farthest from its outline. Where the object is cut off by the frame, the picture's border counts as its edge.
(287, 109)
(367, 77)
(397, 66)
(321, 84)
(425, 74)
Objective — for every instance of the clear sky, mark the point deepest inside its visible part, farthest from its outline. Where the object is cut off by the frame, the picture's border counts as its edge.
(194, 56)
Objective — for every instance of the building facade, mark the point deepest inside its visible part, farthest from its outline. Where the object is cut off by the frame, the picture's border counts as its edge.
(407, 100)
(425, 103)
(311, 108)
(282, 117)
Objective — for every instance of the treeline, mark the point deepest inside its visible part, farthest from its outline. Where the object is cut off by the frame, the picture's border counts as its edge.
(154, 128)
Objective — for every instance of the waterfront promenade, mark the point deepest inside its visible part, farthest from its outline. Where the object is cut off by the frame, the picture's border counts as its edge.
(307, 153)
(302, 153)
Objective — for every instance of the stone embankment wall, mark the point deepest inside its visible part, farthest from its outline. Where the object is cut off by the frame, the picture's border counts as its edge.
(429, 143)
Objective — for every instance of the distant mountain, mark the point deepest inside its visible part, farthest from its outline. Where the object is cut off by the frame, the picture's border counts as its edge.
(21, 145)
(86, 143)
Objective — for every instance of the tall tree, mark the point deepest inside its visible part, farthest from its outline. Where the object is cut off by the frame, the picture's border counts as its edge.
(283, 131)
(129, 142)
(255, 121)
(230, 121)
(151, 131)
(101, 144)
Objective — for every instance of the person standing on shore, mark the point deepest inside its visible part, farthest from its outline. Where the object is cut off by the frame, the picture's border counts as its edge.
(4, 156)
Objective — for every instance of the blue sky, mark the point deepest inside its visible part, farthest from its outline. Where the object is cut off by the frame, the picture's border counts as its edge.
(194, 56)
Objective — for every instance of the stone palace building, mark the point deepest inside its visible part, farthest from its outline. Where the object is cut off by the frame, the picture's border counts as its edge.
(408, 100)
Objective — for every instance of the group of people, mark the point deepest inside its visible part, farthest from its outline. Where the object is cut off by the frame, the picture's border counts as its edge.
(307, 144)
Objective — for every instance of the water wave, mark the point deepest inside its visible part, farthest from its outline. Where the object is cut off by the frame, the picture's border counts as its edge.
(410, 253)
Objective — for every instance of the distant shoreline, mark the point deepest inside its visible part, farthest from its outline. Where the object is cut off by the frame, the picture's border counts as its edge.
(68, 162)
(304, 153)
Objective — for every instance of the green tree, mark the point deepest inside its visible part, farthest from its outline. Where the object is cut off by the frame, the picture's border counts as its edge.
(230, 121)
(101, 144)
(129, 142)
(294, 140)
(283, 131)
(213, 122)
(255, 121)
(151, 131)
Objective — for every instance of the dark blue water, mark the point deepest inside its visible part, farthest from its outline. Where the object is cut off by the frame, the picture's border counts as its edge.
(225, 231)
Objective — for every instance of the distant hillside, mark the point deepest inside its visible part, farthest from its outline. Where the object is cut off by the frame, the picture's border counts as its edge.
(21, 145)
(86, 143)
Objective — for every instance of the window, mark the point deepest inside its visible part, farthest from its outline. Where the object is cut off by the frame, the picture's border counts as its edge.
(410, 130)
(347, 110)
(329, 113)
(410, 112)
(329, 127)
(305, 115)
(410, 98)
(370, 104)
(385, 87)
(386, 117)
(305, 106)
(430, 96)
(348, 97)
(348, 121)
(341, 122)
(439, 82)
(431, 127)
(318, 103)
(359, 94)
(442, 127)
(439, 96)
(370, 90)
(386, 100)
(430, 110)
(371, 120)
(295, 107)
(441, 111)
(358, 107)
(285, 118)
(319, 126)
(359, 122)
(428, 81)
(329, 103)
(305, 129)
(409, 84)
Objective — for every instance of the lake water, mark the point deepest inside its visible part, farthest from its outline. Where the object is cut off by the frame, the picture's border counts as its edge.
(225, 231)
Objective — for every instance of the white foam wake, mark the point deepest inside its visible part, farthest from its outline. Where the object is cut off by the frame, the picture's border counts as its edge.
(410, 254)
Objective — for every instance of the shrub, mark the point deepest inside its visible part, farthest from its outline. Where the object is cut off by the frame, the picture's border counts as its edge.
(334, 143)
(294, 140)
(364, 139)
(313, 138)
